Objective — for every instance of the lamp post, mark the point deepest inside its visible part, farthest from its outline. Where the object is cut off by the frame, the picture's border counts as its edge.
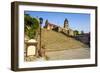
(41, 21)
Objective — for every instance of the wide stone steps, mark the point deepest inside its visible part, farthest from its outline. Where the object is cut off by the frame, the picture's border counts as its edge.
(57, 41)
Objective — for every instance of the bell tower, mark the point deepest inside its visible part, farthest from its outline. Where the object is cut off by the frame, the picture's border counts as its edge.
(66, 24)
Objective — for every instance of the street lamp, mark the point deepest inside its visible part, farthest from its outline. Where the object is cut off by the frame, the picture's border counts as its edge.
(41, 20)
(40, 50)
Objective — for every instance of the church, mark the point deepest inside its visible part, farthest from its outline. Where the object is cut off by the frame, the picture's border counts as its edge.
(65, 29)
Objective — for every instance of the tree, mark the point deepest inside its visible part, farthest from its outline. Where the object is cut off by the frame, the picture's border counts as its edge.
(31, 26)
(46, 22)
(28, 20)
(76, 32)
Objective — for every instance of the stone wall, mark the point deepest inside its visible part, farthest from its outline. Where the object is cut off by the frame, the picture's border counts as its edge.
(66, 31)
(85, 38)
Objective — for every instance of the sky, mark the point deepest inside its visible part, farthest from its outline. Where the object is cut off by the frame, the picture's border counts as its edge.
(77, 21)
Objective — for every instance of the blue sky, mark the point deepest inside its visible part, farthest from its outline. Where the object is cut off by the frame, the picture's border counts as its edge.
(77, 21)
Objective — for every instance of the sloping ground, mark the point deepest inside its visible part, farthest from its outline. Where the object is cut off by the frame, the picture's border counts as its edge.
(54, 41)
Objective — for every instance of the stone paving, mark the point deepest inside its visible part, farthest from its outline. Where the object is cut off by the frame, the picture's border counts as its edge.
(82, 53)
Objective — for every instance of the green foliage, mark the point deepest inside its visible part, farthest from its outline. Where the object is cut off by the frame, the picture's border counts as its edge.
(32, 33)
(28, 20)
(76, 32)
(46, 22)
(35, 23)
(31, 26)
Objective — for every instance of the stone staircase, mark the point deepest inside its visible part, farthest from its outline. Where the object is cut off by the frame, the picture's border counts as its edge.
(55, 41)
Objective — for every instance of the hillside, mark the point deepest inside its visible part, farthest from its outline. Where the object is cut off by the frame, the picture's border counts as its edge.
(57, 41)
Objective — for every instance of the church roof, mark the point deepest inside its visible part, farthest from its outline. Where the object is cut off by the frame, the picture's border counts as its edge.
(50, 24)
